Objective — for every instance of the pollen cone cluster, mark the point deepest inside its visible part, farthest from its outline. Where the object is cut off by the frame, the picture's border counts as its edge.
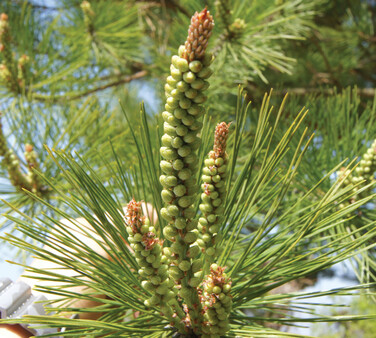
(7, 67)
(214, 191)
(185, 95)
(363, 173)
(13, 73)
(153, 264)
(5, 39)
(217, 303)
(11, 162)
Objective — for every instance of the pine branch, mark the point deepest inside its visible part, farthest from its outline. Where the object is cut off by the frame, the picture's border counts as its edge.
(60, 99)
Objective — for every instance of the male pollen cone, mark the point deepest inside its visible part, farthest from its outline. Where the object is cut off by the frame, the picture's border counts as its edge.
(199, 33)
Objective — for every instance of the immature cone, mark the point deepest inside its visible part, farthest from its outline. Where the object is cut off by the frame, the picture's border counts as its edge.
(223, 11)
(153, 263)
(184, 92)
(11, 162)
(217, 303)
(22, 65)
(88, 15)
(199, 33)
(8, 69)
(5, 74)
(4, 31)
(214, 191)
(363, 173)
(31, 158)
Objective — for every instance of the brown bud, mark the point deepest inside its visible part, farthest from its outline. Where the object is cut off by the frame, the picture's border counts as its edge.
(28, 148)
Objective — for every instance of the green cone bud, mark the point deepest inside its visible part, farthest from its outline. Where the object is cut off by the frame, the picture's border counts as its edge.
(166, 215)
(180, 222)
(191, 158)
(171, 81)
(206, 208)
(162, 289)
(150, 258)
(214, 229)
(180, 190)
(176, 94)
(178, 164)
(177, 142)
(155, 280)
(169, 181)
(226, 288)
(188, 120)
(184, 103)
(169, 232)
(217, 290)
(182, 86)
(217, 202)
(189, 77)
(173, 210)
(185, 201)
(174, 60)
(167, 251)
(193, 251)
(210, 251)
(190, 137)
(201, 243)
(172, 102)
(180, 113)
(182, 65)
(173, 120)
(166, 139)
(184, 151)
(206, 238)
(189, 212)
(185, 174)
(168, 153)
(192, 224)
(137, 237)
(176, 74)
(168, 129)
(167, 196)
(148, 286)
(195, 66)
(176, 273)
(200, 98)
(212, 218)
(194, 282)
(197, 265)
(205, 73)
(184, 265)
(181, 130)
(191, 93)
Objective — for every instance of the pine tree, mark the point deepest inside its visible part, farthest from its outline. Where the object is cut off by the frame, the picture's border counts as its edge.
(246, 199)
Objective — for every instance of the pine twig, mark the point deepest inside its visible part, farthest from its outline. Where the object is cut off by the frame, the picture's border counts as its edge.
(63, 98)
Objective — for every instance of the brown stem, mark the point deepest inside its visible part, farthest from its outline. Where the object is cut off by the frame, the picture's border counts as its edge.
(62, 98)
